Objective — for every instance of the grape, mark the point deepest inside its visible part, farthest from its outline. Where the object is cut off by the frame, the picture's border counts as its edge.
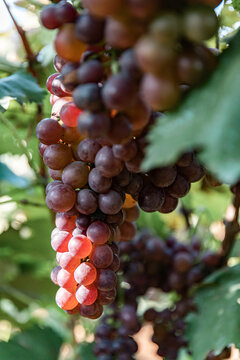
(88, 97)
(87, 150)
(115, 265)
(49, 18)
(90, 72)
(80, 246)
(142, 9)
(116, 219)
(65, 222)
(91, 311)
(154, 57)
(101, 256)
(125, 152)
(65, 299)
(119, 92)
(134, 165)
(190, 68)
(69, 75)
(42, 148)
(151, 198)
(128, 62)
(169, 205)
(57, 156)
(124, 178)
(98, 232)
(67, 44)
(83, 222)
(61, 198)
(163, 177)
(166, 28)
(55, 174)
(179, 188)
(58, 106)
(107, 297)
(127, 230)
(120, 130)
(98, 182)
(106, 280)
(94, 125)
(60, 240)
(110, 203)
(192, 173)
(185, 160)
(200, 23)
(66, 280)
(68, 262)
(52, 184)
(74, 311)
(50, 81)
(160, 93)
(85, 274)
(102, 7)
(106, 163)
(86, 295)
(135, 186)
(139, 114)
(132, 214)
(71, 135)
(54, 274)
(89, 29)
(58, 63)
(65, 12)
(53, 99)
(182, 262)
(129, 317)
(58, 88)
(210, 258)
(69, 114)
(76, 174)
(118, 34)
(176, 281)
(87, 202)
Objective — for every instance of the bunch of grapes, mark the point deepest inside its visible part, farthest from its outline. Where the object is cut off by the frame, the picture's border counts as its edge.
(149, 262)
(113, 338)
(117, 65)
(168, 265)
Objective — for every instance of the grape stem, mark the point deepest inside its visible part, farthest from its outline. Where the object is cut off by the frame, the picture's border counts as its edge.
(232, 228)
(31, 57)
(186, 212)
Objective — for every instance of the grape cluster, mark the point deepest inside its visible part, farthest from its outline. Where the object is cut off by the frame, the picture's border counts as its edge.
(113, 338)
(111, 81)
(146, 262)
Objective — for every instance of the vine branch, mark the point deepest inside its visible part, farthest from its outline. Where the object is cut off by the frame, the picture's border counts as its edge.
(31, 57)
(232, 228)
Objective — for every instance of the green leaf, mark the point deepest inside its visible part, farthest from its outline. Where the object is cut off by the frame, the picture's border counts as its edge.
(36, 343)
(207, 120)
(85, 351)
(217, 322)
(7, 175)
(22, 87)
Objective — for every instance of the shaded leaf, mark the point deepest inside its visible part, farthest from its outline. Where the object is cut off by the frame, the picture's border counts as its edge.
(208, 120)
(22, 87)
(217, 322)
(36, 343)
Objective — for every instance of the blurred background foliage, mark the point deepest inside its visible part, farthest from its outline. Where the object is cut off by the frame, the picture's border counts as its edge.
(29, 317)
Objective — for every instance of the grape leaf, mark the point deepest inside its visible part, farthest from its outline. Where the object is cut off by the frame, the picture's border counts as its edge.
(22, 87)
(217, 322)
(36, 343)
(208, 120)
